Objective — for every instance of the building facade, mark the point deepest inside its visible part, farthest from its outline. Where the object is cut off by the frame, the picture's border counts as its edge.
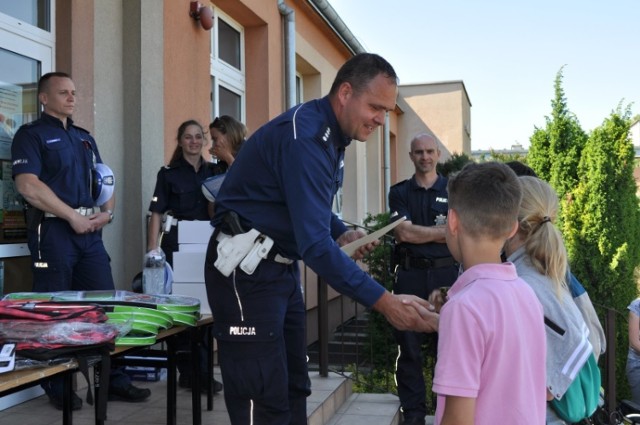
(141, 67)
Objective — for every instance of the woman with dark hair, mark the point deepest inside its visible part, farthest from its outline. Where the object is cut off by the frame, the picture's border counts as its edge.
(178, 188)
(178, 192)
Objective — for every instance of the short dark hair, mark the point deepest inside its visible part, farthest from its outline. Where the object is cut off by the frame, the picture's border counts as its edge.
(521, 169)
(360, 70)
(43, 82)
(486, 197)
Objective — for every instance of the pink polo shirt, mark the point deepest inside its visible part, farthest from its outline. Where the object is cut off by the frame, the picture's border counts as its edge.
(492, 347)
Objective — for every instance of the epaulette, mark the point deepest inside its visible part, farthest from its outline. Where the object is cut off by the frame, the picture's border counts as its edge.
(324, 135)
(400, 183)
(31, 124)
(80, 128)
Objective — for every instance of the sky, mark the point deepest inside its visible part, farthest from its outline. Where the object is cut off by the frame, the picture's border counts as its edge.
(508, 53)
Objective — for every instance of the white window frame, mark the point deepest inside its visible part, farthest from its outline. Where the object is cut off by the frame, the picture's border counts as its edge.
(222, 73)
(299, 88)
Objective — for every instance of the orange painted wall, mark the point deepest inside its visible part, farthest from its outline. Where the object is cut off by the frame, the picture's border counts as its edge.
(187, 82)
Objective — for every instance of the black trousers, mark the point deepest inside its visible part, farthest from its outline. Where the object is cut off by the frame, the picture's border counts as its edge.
(410, 364)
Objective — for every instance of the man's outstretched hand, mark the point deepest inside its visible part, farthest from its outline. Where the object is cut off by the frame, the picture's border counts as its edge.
(408, 312)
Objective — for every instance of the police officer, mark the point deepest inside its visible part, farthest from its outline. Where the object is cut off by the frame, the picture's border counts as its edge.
(53, 165)
(282, 185)
(178, 191)
(423, 261)
(178, 188)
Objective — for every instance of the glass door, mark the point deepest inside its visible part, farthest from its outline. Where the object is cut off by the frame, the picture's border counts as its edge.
(26, 52)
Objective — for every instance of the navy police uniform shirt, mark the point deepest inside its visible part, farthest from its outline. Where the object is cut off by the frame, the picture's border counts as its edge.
(283, 183)
(422, 207)
(61, 158)
(179, 190)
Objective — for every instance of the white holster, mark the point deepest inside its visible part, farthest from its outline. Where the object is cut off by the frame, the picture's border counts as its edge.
(246, 249)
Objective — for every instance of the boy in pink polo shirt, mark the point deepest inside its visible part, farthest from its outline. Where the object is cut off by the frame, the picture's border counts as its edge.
(492, 343)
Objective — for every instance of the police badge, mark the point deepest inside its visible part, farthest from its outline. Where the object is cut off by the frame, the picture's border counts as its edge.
(441, 220)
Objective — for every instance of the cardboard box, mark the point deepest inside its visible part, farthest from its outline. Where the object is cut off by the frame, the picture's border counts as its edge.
(194, 232)
(193, 247)
(196, 290)
(188, 266)
(144, 373)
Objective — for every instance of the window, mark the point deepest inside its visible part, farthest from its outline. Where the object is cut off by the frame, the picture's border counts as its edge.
(227, 68)
(33, 12)
(299, 92)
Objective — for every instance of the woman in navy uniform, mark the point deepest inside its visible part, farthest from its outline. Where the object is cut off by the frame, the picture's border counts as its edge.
(179, 192)
(227, 136)
(178, 186)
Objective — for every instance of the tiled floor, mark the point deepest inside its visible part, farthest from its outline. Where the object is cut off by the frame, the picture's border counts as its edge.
(325, 400)
(152, 411)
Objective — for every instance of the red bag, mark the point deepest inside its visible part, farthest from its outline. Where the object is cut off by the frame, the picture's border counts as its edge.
(53, 326)
(45, 330)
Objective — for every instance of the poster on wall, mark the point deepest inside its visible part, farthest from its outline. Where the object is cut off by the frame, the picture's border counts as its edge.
(11, 215)
(10, 116)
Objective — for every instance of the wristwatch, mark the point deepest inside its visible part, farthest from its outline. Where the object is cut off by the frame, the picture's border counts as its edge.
(110, 212)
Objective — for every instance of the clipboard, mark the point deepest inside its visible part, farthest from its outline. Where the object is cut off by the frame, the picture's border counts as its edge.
(352, 247)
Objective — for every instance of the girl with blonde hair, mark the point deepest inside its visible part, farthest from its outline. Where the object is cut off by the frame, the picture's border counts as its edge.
(538, 252)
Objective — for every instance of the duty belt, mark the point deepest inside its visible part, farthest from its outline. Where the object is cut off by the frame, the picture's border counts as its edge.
(84, 211)
(426, 263)
(272, 255)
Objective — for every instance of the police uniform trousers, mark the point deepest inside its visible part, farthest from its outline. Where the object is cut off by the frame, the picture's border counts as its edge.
(260, 329)
(410, 362)
(74, 262)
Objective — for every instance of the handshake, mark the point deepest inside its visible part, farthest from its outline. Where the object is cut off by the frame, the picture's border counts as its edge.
(412, 313)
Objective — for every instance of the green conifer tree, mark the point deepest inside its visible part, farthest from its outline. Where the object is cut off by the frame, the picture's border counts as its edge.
(602, 225)
(555, 150)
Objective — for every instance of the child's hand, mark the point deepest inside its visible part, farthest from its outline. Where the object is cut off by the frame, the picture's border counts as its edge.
(438, 297)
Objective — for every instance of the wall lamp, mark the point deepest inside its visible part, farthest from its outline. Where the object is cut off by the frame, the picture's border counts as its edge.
(201, 13)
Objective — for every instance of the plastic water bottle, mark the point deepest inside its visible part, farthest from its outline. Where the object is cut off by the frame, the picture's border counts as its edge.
(153, 272)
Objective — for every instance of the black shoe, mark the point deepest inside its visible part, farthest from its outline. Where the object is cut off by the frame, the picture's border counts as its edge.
(184, 381)
(413, 421)
(56, 401)
(129, 394)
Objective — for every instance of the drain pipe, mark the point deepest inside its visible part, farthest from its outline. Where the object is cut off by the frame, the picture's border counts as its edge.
(289, 53)
(387, 159)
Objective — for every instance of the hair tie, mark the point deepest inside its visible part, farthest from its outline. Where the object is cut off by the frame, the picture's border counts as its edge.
(545, 219)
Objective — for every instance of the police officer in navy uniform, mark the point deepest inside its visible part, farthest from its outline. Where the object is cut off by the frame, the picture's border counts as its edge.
(53, 169)
(423, 263)
(178, 188)
(178, 191)
(282, 186)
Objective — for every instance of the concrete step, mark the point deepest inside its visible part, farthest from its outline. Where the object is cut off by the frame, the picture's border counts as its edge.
(327, 395)
(368, 409)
